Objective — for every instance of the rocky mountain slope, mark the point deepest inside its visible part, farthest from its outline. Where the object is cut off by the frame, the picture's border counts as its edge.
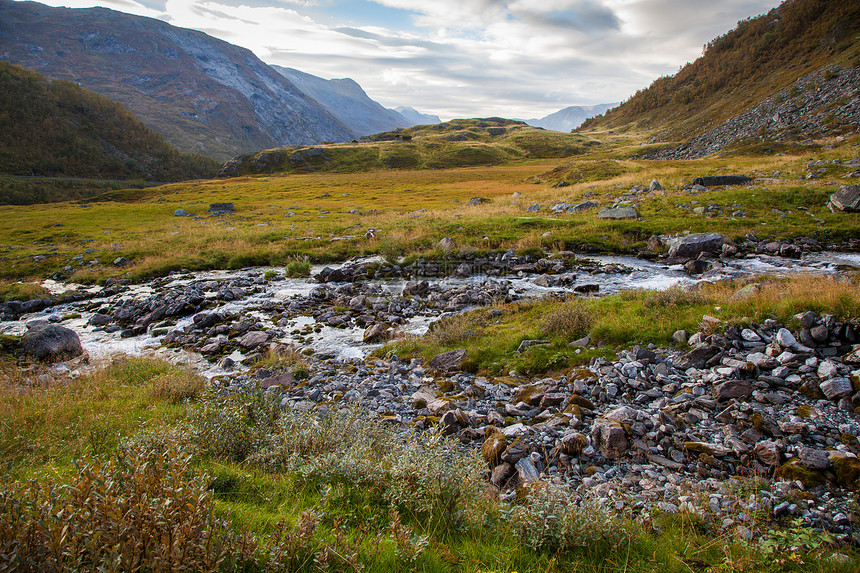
(788, 74)
(202, 94)
(345, 99)
(60, 129)
(570, 117)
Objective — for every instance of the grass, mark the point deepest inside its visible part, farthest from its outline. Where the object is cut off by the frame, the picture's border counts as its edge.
(492, 335)
(287, 220)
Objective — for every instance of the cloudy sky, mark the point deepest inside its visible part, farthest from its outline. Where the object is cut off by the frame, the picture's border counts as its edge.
(466, 58)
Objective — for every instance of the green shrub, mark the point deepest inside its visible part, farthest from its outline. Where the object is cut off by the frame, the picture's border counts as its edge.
(298, 269)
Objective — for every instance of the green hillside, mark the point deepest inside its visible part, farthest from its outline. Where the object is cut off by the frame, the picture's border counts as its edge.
(739, 69)
(58, 129)
(456, 143)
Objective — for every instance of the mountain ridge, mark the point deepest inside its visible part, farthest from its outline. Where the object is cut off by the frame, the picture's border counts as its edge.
(570, 117)
(202, 94)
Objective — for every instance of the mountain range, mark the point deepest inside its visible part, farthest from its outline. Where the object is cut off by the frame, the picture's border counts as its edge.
(570, 117)
(202, 94)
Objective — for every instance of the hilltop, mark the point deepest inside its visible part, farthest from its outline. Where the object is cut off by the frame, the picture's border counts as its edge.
(456, 143)
(202, 94)
(58, 129)
(788, 75)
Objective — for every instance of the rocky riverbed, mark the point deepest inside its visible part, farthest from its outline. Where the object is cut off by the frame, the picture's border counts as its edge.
(740, 426)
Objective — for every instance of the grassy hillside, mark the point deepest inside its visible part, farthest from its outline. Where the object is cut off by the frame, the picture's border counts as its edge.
(456, 143)
(760, 57)
(58, 129)
(324, 216)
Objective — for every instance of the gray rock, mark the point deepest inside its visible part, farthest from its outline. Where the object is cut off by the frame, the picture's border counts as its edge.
(732, 389)
(447, 244)
(617, 213)
(583, 207)
(181, 213)
(99, 319)
(847, 198)
(527, 471)
(416, 288)
(533, 209)
(655, 186)
(51, 343)
(711, 181)
(254, 339)
(526, 344)
(768, 452)
(221, 208)
(836, 388)
(610, 438)
(448, 361)
(785, 338)
(475, 201)
(376, 333)
(691, 246)
(814, 459)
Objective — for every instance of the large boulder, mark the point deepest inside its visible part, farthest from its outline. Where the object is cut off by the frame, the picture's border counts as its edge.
(722, 180)
(691, 246)
(51, 343)
(221, 208)
(847, 198)
(448, 361)
(617, 213)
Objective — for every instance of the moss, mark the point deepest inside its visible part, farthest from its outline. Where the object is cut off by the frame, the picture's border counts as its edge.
(576, 399)
(804, 411)
(757, 421)
(493, 447)
(575, 410)
(583, 374)
(447, 386)
(794, 470)
(848, 472)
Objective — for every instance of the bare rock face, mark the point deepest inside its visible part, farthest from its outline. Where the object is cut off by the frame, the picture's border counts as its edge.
(847, 198)
(693, 245)
(52, 343)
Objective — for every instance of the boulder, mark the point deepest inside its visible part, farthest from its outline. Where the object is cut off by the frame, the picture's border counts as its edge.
(711, 181)
(254, 339)
(732, 389)
(768, 453)
(221, 208)
(448, 361)
(181, 213)
(475, 201)
(51, 343)
(617, 213)
(847, 198)
(691, 246)
(583, 207)
(526, 344)
(447, 244)
(376, 333)
(416, 288)
(610, 438)
(493, 447)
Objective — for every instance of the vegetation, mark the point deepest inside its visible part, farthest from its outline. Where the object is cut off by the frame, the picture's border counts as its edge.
(759, 57)
(58, 129)
(301, 491)
(288, 221)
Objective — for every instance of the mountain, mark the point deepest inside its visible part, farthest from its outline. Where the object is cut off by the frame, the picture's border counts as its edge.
(345, 99)
(570, 117)
(783, 77)
(415, 117)
(58, 129)
(202, 94)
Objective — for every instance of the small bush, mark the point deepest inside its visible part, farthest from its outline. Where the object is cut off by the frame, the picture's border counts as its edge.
(553, 520)
(569, 320)
(451, 330)
(233, 426)
(144, 511)
(298, 269)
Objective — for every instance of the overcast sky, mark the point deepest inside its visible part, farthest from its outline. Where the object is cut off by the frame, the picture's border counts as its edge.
(466, 58)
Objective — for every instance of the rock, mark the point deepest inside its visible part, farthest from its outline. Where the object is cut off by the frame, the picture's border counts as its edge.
(526, 344)
(533, 209)
(691, 246)
(617, 213)
(697, 357)
(836, 388)
(448, 361)
(847, 198)
(768, 452)
(814, 459)
(447, 244)
(253, 339)
(181, 213)
(221, 208)
(475, 201)
(527, 471)
(416, 288)
(763, 361)
(785, 338)
(655, 186)
(827, 369)
(376, 333)
(545, 281)
(502, 474)
(51, 343)
(99, 319)
(680, 337)
(711, 181)
(610, 437)
(120, 262)
(572, 444)
(583, 207)
(732, 389)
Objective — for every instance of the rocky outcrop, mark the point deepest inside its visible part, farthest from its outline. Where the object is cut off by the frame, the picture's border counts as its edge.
(51, 343)
(847, 199)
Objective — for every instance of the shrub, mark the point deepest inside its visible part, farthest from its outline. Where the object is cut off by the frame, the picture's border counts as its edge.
(298, 269)
(233, 426)
(552, 519)
(570, 320)
(143, 511)
(178, 387)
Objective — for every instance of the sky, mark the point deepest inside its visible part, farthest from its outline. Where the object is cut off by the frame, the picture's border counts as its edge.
(466, 58)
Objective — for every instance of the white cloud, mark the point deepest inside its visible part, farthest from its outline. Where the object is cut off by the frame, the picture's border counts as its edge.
(465, 58)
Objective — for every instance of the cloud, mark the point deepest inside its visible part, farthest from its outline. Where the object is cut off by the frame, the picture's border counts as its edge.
(467, 58)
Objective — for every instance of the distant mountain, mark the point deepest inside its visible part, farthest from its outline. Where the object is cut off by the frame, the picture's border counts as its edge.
(202, 94)
(345, 99)
(415, 117)
(786, 76)
(60, 129)
(570, 117)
